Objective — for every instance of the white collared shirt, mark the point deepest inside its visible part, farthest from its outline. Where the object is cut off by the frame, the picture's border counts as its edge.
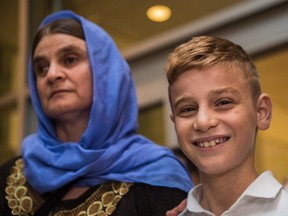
(264, 197)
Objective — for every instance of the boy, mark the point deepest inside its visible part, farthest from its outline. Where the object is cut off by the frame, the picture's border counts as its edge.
(217, 108)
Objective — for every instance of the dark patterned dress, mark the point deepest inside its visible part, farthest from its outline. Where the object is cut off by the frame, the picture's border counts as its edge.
(113, 198)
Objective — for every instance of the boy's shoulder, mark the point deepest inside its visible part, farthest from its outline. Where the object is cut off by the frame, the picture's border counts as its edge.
(264, 196)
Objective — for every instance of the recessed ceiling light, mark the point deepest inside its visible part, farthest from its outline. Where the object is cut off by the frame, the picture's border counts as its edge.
(159, 13)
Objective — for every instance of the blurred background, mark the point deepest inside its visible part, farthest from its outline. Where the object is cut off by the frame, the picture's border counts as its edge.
(259, 26)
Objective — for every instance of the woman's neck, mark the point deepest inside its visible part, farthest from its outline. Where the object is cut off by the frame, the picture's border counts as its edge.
(71, 131)
(75, 192)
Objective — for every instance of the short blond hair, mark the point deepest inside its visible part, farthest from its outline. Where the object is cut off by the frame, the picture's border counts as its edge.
(206, 51)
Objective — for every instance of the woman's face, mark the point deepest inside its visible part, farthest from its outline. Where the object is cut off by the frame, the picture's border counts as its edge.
(63, 77)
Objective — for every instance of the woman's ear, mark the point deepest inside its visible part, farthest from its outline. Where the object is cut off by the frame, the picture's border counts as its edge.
(264, 111)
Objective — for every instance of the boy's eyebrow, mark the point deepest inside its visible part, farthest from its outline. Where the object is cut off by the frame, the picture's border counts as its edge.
(230, 90)
(182, 99)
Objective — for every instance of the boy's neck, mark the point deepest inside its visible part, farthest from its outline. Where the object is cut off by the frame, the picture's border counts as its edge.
(220, 192)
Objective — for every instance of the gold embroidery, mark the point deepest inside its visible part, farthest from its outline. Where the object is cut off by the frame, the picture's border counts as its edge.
(24, 201)
(102, 202)
(18, 197)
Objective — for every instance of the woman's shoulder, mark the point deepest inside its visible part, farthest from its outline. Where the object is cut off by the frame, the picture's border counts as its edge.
(145, 199)
(154, 189)
(5, 168)
(158, 194)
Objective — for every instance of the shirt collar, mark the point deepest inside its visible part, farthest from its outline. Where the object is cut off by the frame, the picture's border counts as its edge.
(265, 186)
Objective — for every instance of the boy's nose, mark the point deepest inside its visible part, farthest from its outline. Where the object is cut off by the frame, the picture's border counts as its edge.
(204, 120)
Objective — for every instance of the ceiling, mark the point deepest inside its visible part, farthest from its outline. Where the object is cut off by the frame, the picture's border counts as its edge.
(126, 20)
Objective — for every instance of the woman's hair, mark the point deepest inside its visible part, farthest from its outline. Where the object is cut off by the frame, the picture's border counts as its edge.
(62, 26)
(205, 51)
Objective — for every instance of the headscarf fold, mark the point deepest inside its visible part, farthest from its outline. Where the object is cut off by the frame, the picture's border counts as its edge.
(110, 149)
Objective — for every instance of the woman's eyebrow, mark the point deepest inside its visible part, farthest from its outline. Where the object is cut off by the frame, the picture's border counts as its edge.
(66, 49)
(37, 59)
(70, 48)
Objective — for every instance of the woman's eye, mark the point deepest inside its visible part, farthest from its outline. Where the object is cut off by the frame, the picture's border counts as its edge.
(41, 70)
(70, 60)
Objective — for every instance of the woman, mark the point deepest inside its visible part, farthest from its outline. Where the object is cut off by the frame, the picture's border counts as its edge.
(86, 158)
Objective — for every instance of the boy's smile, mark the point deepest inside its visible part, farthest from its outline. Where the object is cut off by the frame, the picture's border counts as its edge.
(215, 118)
(210, 142)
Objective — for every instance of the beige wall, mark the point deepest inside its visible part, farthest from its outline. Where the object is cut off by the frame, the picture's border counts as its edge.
(272, 145)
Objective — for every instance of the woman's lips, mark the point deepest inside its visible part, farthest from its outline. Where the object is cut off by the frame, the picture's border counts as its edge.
(58, 92)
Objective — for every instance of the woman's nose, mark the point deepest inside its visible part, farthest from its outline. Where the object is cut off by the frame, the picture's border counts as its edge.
(204, 120)
(55, 72)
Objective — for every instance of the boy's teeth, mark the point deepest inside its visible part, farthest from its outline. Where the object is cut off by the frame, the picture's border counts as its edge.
(206, 144)
(211, 143)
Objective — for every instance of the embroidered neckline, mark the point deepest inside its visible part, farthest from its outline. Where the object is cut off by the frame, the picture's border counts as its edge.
(102, 202)
(24, 201)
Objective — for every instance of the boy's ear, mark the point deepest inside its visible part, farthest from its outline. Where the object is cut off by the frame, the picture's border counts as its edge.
(264, 111)
(172, 117)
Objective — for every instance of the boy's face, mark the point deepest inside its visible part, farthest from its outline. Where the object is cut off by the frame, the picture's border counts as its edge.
(215, 118)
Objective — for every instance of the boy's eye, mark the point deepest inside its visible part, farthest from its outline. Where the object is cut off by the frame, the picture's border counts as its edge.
(186, 111)
(224, 102)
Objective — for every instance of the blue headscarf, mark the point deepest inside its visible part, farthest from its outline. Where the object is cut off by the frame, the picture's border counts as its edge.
(110, 149)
